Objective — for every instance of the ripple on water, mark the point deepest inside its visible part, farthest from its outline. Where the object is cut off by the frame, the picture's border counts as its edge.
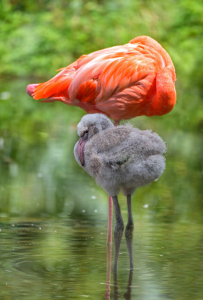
(67, 258)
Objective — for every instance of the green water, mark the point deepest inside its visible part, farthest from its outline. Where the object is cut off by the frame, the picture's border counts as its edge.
(53, 217)
(66, 258)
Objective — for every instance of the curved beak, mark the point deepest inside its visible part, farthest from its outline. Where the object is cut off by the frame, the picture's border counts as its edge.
(81, 147)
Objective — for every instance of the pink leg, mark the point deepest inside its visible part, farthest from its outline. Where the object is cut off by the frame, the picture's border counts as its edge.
(110, 219)
(110, 214)
(108, 272)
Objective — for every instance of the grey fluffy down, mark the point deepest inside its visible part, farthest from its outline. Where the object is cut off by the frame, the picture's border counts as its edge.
(121, 157)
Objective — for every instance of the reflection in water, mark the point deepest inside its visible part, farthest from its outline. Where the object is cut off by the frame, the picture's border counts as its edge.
(127, 294)
(117, 241)
(108, 271)
(66, 258)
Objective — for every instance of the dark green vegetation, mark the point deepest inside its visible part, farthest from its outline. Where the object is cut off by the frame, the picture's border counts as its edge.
(38, 173)
(37, 139)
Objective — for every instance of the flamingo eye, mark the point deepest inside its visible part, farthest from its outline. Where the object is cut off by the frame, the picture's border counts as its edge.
(84, 136)
(85, 132)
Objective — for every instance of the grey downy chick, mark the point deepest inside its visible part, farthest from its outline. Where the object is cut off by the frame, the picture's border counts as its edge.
(121, 157)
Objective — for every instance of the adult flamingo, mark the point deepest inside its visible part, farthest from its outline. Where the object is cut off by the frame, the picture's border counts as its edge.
(121, 82)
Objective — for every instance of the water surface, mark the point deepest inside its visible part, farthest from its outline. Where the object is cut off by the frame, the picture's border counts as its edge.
(66, 258)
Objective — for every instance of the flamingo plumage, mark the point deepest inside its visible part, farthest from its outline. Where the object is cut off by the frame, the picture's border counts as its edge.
(121, 82)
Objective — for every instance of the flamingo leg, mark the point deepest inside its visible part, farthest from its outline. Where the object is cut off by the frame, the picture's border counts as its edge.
(129, 232)
(110, 212)
(118, 231)
(116, 122)
(110, 220)
(108, 272)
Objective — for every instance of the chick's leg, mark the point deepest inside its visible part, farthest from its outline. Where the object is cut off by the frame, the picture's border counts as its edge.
(129, 232)
(118, 231)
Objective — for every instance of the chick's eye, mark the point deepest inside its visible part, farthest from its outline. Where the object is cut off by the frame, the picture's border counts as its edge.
(85, 132)
(84, 136)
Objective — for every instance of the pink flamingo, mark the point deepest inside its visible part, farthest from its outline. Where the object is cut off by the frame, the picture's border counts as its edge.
(121, 82)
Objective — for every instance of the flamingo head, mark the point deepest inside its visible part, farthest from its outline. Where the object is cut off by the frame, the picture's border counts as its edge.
(89, 126)
(30, 89)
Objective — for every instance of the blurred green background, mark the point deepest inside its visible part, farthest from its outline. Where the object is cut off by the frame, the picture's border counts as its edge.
(38, 173)
(53, 217)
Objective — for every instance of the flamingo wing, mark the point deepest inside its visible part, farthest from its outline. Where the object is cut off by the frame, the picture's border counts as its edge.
(120, 81)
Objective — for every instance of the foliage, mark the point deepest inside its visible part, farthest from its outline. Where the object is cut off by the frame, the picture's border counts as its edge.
(36, 140)
(40, 37)
(53, 217)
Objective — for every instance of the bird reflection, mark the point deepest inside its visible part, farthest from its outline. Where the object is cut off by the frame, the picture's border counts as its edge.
(117, 241)
(127, 295)
(108, 272)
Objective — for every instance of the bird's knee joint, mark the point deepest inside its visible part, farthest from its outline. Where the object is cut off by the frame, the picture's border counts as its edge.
(119, 227)
(129, 230)
(130, 226)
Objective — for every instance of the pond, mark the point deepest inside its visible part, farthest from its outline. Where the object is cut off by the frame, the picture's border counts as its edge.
(53, 217)
(67, 258)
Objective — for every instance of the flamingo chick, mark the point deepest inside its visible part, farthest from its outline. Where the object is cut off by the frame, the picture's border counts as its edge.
(121, 157)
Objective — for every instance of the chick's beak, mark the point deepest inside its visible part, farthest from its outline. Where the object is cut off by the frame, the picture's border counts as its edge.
(81, 147)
